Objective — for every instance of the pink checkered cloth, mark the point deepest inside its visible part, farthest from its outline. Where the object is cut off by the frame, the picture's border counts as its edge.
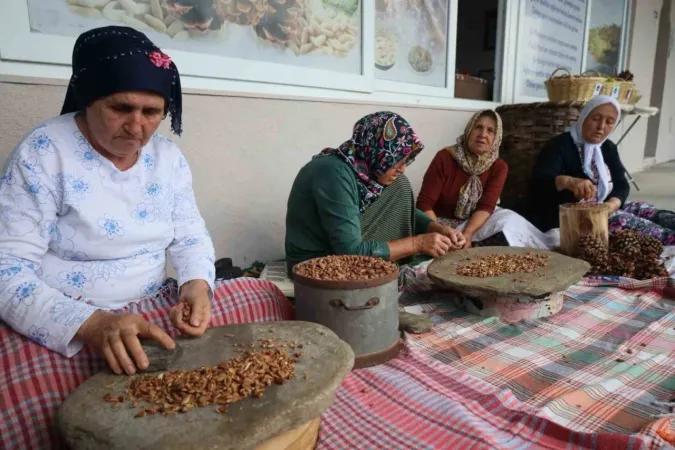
(415, 403)
(412, 402)
(35, 380)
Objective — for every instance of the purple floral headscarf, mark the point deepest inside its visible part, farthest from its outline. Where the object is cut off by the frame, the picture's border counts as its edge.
(379, 142)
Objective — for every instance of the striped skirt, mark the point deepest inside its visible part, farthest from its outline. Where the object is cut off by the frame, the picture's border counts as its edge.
(35, 380)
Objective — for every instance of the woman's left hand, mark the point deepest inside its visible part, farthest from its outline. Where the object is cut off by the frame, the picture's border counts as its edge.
(194, 295)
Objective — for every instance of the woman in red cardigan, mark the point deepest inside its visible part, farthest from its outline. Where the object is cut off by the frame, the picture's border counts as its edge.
(463, 184)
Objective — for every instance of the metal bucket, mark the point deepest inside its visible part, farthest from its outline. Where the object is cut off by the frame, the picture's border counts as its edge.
(363, 313)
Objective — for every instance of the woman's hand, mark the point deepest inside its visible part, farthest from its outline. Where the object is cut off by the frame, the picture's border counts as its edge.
(582, 189)
(614, 204)
(467, 237)
(456, 237)
(116, 335)
(195, 297)
(432, 244)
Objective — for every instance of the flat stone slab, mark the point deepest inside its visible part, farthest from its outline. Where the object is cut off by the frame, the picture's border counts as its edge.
(414, 323)
(86, 421)
(560, 273)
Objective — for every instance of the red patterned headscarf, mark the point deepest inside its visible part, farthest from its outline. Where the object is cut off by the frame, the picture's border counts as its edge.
(379, 142)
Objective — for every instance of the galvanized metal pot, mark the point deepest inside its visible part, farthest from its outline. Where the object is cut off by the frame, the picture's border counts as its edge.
(363, 313)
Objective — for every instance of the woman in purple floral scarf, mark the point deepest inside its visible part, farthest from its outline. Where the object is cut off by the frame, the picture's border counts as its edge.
(356, 200)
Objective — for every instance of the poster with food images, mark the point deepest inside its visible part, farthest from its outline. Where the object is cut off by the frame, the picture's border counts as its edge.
(319, 34)
(411, 41)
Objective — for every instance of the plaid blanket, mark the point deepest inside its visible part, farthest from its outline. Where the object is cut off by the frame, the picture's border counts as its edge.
(595, 367)
(414, 401)
(34, 381)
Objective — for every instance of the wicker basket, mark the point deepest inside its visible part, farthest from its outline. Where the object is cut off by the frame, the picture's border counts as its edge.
(609, 86)
(626, 89)
(572, 88)
(527, 127)
(635, 96)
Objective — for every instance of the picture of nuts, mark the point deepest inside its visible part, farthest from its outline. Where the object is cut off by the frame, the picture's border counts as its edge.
(345, 267)
(420, 59)
(175, 28)
(155, 23)
(385, 52)
(89, 3)
(86, 12)
(131, 7)
(181, 36)
(287, 24)
(156, 9)
(135, 23)
(113, 12)
(324, 36)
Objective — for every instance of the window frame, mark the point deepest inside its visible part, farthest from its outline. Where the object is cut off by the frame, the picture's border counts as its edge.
(45, 59)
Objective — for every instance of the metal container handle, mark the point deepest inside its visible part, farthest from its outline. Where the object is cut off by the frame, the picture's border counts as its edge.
(337, 303)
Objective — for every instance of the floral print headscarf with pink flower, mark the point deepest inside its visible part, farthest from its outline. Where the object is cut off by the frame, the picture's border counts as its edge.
(379, 142)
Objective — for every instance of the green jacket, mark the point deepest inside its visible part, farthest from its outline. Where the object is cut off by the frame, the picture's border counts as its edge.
(323, 215)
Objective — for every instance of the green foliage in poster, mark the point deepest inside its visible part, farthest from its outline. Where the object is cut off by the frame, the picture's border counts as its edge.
(604, 42)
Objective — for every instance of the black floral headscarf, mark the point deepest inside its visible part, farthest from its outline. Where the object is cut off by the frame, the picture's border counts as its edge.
(120, 59)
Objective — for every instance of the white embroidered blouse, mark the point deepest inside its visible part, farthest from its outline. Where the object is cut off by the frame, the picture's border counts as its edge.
(77, 234)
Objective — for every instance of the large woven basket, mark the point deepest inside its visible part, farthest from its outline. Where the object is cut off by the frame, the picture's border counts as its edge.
(527, 127)
(572, 88)
(626, 91)
(608, 89)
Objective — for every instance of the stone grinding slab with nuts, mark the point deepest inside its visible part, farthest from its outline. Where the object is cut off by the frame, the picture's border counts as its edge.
(87, 421)
(559, 273)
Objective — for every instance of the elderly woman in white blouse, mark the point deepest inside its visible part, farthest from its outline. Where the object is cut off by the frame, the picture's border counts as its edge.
(92, 201)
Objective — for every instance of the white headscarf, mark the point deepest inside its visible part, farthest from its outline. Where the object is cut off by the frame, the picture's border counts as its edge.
(592, 152)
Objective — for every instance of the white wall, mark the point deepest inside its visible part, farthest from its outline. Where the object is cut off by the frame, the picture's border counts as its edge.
(641, 63)
(665, 150)
(244, 154)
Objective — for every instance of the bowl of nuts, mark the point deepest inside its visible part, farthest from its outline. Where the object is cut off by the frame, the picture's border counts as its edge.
(357, 298)
(420, 59)
(385, 51)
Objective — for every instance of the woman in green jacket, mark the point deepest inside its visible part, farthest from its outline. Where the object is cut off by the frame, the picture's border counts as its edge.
(355, 200)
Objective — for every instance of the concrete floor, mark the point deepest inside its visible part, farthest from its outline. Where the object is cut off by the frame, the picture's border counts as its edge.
(657, 186)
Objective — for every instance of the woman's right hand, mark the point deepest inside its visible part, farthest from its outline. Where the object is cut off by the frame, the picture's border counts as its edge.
(432, 244)
(582, 189)
(116, 335)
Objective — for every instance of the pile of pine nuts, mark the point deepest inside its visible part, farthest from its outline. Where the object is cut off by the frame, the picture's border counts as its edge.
(143, 15)
(345, 267)
(500, 264)
(324, 36)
